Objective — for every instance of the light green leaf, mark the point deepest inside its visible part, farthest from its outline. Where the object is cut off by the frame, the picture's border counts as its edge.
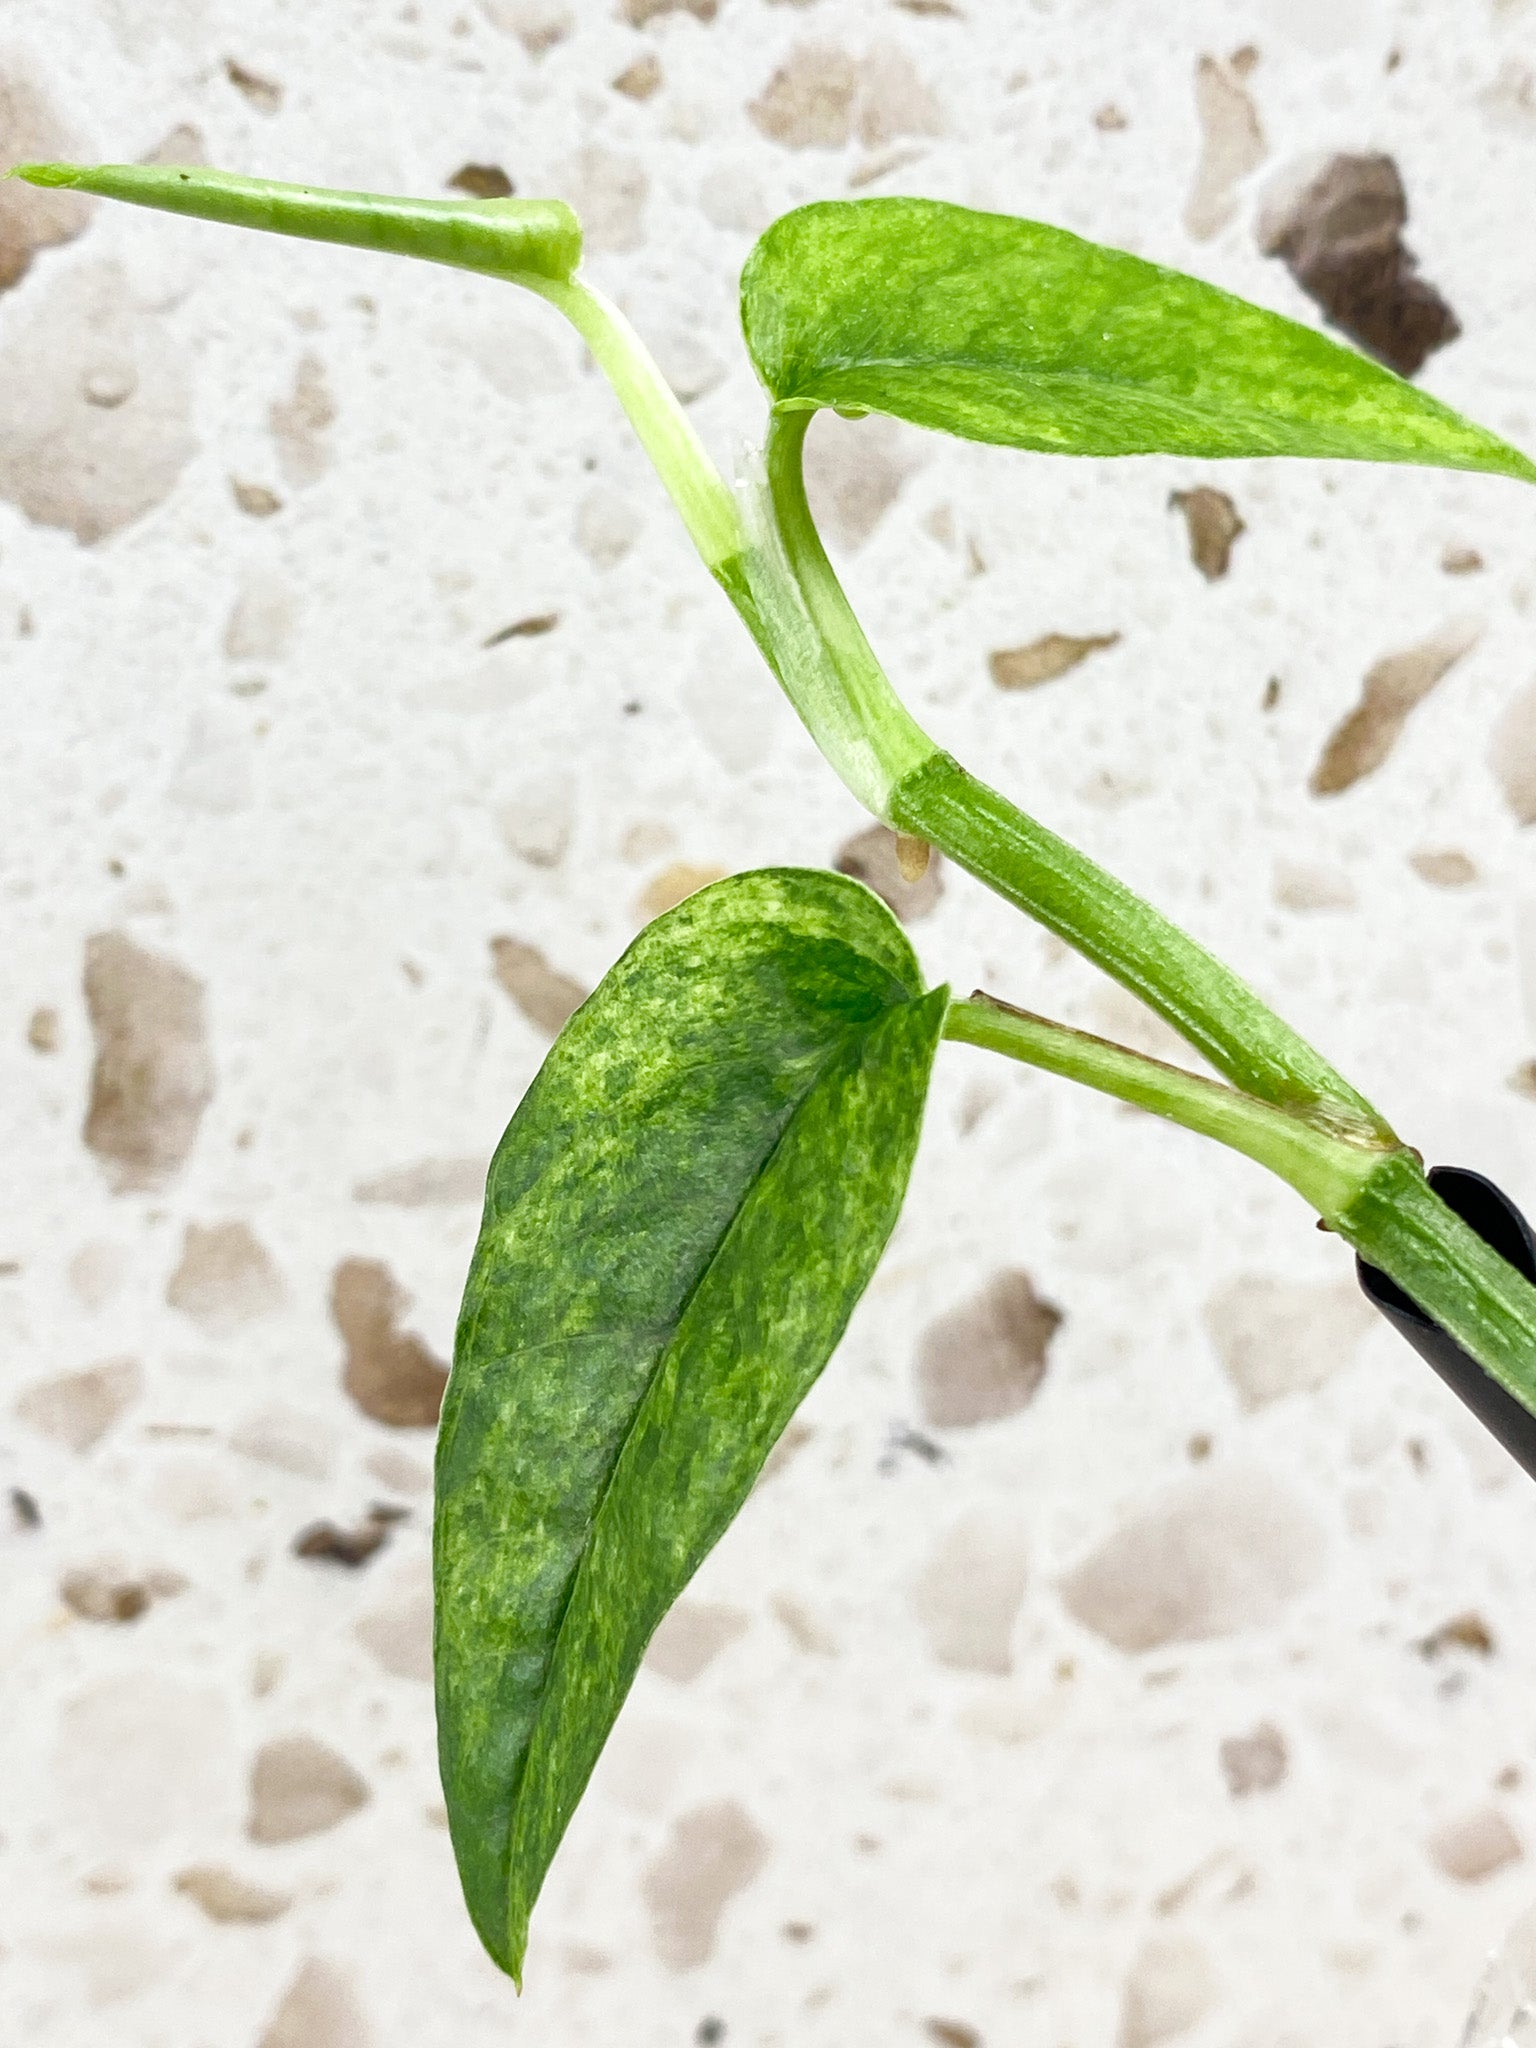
(1004, 330)
(684, 1210)
(506, 237)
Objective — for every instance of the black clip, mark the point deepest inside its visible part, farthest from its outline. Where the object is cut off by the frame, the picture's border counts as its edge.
(1500, 1224)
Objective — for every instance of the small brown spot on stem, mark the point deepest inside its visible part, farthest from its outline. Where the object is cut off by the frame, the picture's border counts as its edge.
(873, 857)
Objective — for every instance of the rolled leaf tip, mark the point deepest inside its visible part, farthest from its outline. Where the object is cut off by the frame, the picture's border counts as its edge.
(48, 174)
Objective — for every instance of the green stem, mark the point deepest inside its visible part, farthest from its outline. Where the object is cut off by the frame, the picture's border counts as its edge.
(1327, 1169)
(1307, 1124)
(664, 429)
(1071, 895)
(926, 793)
(1373, 1195)
(1397, 1222)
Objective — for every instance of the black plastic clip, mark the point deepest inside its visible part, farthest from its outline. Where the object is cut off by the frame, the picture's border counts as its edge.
(1500, 1224)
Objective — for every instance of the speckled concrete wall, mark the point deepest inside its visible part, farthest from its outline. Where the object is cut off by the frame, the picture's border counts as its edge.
(1133, 1644)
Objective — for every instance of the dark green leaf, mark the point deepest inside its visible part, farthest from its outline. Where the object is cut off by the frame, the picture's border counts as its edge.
(684, 1210)
(1004, 330)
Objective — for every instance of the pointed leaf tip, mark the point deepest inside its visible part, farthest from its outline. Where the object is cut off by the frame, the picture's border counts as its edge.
(1007, 330)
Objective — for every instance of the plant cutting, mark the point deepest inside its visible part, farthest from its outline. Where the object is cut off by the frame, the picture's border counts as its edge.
(697, 1187)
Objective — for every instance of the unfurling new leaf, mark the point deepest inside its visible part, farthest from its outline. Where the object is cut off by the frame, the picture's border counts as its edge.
(685, 1208)
(1005, 330)
(525, 238)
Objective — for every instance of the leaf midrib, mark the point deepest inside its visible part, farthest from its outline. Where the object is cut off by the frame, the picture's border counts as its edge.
(578, 1576)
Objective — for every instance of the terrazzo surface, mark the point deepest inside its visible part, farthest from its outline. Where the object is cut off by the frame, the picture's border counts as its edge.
(1131, 1642)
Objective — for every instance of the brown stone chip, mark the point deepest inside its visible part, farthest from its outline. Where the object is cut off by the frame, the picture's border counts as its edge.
(180, 145)
(808, 102)
(264, 94)
(874, 168)
(673, 884)
(537, 24)
(261, 620)
(25, 1511)
(1443, 867)
(300, 1787)
(481, 181)
(873, 858)
(95, 403)
(1224, 1552)
(712, 1853)
(952, 2033)
(318, 2010)
(1232, 145)
(968, 1594)
(153, 1076)
(545, 996)
(350, 1547)
(228, 1899)
(986, 1358)
(299, 424)
(255, 500)
(95, 1598)
(399, 1634)
(640, 80)
(1457, 561)
(1512, 756)
(1393, 689)
(1462, 1632)
(43, 1030)
(524, 629)
(104, 1593)
(78, 1408)
(894, 99)
(1341, 237)
(429, 1184)
(1052, 655)
(802, 1627)
(691, 1637)
(1254, 1763)
(820, 97)
(854, 471)
(1471, 1848)
(1276, 1337)
(31, 217)
(226, 1277)
(1170, 1988)
(390, 1373)
(638, 13)
(1523, 1080)
(1213, 524)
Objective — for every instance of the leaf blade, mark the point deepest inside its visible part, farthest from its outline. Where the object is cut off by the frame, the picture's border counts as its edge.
(1009, 331)
(680, 1349)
